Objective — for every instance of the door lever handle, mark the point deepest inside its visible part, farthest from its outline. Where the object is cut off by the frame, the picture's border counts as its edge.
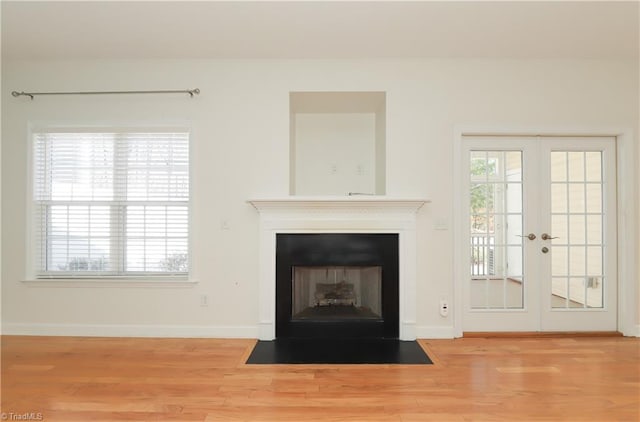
(530, 236)
(545, 236)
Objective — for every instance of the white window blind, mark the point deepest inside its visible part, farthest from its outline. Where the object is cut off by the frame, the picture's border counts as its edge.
(111, 203)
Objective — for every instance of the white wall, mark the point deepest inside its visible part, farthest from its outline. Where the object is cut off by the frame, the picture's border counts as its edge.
(637, 170)
(335, 153)
(381, 154)
(1, 314)
(241, 150)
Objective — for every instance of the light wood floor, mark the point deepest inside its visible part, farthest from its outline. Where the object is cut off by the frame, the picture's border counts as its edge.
(99, 379)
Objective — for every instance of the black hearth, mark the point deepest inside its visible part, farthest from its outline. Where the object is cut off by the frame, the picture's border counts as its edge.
(337, 285)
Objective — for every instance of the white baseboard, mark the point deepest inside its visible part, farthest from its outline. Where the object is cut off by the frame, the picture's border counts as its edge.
(427, 332)
(266, 331)
(434, 332)
(179, 331)
(112, 330)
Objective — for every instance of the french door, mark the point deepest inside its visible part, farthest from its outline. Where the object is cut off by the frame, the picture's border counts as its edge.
(540, 225)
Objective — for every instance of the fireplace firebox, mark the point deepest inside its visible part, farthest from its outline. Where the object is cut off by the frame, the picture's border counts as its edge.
(337, 285)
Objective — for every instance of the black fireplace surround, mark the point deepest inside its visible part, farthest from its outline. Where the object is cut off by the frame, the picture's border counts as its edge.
(336, 250)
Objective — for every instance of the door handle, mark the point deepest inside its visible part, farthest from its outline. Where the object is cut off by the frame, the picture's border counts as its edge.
(545, 236)
(530, 236)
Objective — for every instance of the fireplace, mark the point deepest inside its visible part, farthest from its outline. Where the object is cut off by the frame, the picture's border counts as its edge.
(336, 285)
(372, 215)
(336, 292)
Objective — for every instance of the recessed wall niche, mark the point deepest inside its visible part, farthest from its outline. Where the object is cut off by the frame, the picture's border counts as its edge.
(337, 143)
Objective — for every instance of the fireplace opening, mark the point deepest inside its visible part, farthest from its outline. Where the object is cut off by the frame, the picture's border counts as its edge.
(336, 292)
(337, 285)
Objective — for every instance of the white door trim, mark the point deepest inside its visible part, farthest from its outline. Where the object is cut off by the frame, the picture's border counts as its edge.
(627, 211)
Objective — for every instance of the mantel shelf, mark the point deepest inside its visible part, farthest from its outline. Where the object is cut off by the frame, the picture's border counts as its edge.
(371, 202)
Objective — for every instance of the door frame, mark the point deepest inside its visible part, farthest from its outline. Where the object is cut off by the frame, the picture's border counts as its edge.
(627, 215)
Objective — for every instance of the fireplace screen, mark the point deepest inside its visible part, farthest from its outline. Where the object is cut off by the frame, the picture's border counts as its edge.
(336, 292)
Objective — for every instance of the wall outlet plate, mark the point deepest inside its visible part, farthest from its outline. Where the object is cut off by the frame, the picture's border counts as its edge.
(444, 307)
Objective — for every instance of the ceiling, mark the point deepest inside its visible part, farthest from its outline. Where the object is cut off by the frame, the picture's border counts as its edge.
(319, 30)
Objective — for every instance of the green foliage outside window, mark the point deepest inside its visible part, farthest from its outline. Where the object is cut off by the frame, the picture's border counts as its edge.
(481, 195)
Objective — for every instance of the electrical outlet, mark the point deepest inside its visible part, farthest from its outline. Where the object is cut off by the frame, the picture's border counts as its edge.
(444, 307)
(204, 301)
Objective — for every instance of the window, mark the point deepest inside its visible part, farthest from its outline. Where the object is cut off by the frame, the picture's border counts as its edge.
(110, 203)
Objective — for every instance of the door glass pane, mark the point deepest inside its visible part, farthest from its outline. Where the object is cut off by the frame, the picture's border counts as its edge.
(575, 161)
(576, 198)
(559, 292)
(496, 255)
(577, 292)
(594, 197)
(577, 221)
(559, 261)
(577, 260)
(593, 166)
(514, 166)
(559, 197)
(513, 198)
(482, 196)
(514, 224)
(576, 229)
(594, 261)
(594, 292)
(478, 165)
(594, 229)
(558, 166)
(559, 227)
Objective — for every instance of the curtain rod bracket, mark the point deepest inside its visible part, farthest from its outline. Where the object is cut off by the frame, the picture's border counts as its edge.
(18, 94)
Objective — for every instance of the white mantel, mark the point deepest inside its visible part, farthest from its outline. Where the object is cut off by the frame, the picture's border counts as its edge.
(345, 214)
(355, 202)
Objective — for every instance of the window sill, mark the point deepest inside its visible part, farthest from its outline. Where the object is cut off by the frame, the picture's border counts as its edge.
(112, 282)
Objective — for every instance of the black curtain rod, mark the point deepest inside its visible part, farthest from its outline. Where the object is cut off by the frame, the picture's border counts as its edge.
(191, 92)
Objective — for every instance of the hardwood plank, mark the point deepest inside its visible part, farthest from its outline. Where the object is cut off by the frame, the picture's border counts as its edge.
(489, 379)
(528, 369)
(539, 334)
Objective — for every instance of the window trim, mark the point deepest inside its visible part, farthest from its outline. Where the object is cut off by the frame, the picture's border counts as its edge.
(34, 277)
